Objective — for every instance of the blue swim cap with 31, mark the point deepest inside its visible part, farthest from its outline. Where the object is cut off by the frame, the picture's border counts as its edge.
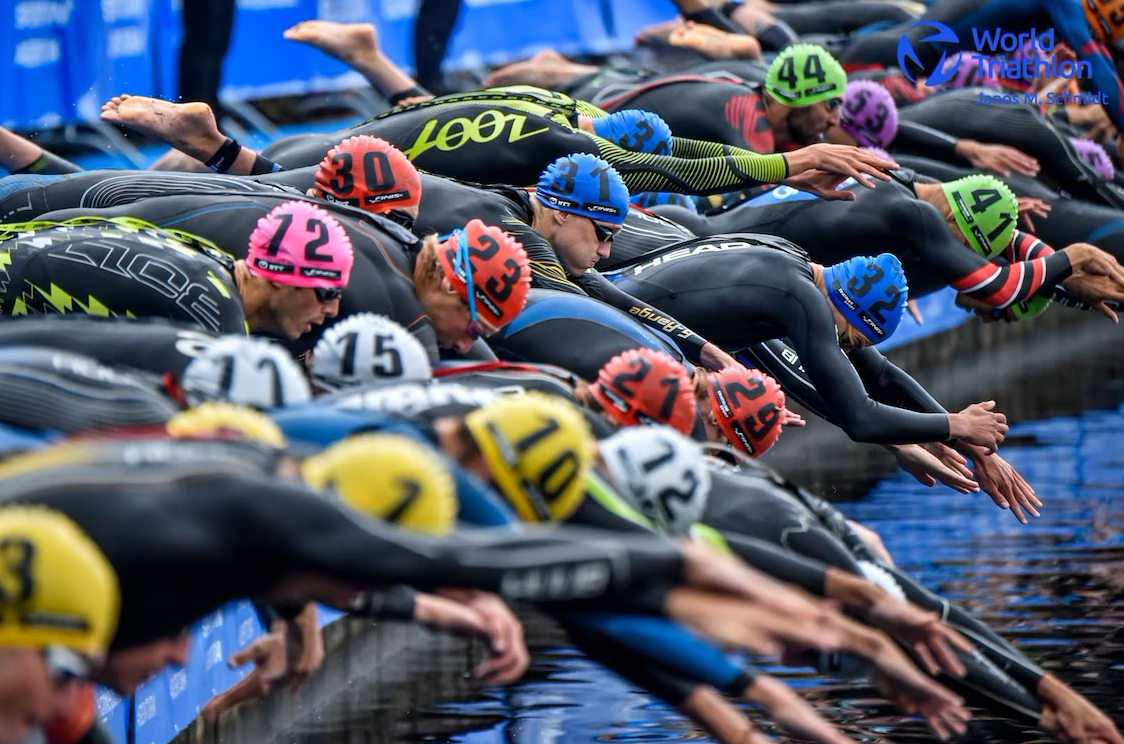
(635, 129)
(870, 292)
(584, 184)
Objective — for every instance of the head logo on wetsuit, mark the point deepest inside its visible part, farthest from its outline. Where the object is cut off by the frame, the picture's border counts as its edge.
(59, 588)
(804, 74)
(539, 450)
(300, 244)
(636, 130)
(748, 407)
(489, 269)
(645, 386)
(869, 113)
(370, 173)
(870, 292)
(584, 184)
(985, 210)
(660, 472)
(388, 476)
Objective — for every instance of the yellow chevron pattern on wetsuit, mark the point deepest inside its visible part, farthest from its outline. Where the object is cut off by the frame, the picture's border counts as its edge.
(696, 167)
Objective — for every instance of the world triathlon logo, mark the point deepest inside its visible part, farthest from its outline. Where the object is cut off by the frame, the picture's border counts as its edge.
(991, 53)
(942, 72)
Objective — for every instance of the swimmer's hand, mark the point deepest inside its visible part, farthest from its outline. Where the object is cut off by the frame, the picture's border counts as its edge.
(1071, 718)
(929, 468)
(931, 641)
(1028, 206)
(843, 160)
(504, 634)
(999, 480)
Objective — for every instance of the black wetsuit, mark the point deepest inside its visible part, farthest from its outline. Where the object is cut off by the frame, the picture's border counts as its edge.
(150, 345)
(890, 217)
(755, 505)
(382, 279)
(746, 294)
(118, 270)
(447, 205)
(716, 109)
(507, 137)
(29, 198)
(961, 114)
(216, 529)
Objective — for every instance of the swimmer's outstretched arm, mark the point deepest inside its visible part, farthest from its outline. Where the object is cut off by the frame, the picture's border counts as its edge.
(21, 155)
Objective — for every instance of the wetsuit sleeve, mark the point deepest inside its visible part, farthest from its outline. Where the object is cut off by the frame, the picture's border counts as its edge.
(996, 284)
(779, 360)
(732, 170)
(811, 330)
(547, 271)
(689, 342)
(681, 147)
(890, 384)
(48, 164)
(1069, 20)
(296, 531)
(395, 603)
(1025, 246)
(779, 563)
(923, 139)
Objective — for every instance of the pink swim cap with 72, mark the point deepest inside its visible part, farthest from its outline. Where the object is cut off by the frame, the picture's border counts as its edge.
(300, 244)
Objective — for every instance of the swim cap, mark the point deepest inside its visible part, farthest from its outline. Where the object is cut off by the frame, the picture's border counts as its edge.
(538, 449)
(749, 408)
(248, 371)
(635, 129)
(1092, 153)
(44, 389)
(389, 476)
(645, 386)
(968, 74)
(496, 267)
(661, 473)
(870, 292)
(584, 184)
(369, 173)
(367, 348)
(985, 210)
(219, 417)
(59, 588)
(1105, 18)
(1029, 308)
(803, 74)
(300, 244)
(869, 113)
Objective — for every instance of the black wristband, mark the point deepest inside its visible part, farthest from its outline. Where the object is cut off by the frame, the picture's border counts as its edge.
(712, 17)
(225, 156)
(396, 603)
(729, 7)
(394, 98)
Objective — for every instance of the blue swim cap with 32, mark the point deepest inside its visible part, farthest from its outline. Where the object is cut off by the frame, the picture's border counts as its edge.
(584, 184)
(870, 292)
(635, 129)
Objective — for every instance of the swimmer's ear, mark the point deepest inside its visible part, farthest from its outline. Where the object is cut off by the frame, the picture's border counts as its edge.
(447, 286)
(560, 217)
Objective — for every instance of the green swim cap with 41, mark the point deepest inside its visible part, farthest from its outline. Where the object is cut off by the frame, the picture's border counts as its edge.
(985, 210)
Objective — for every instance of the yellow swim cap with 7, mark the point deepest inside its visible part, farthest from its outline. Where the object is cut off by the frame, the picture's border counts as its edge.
(389, 476)
(538, 449)
(56, 586)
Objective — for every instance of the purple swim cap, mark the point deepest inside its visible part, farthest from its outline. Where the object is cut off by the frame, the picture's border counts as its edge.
(868, 113)
(968, 74)
(1093, 154)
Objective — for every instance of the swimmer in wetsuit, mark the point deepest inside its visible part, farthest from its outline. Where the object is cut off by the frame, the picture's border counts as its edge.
(765, 288)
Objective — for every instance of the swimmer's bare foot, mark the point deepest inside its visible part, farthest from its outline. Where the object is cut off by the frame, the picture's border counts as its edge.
(174, 160)
(714, 43)
(357, 44)
(547, 69)
(188, 127)
(657, 33)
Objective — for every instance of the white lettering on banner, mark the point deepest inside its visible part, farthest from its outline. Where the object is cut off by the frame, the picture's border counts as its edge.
(396, 10)
(344, 11)
(40, 13)
(246, 631)
(128, 41)
(177, 683)
(106, 700)
(128, 10)
(146, 709)
(266, 4)
(210, 622)
(214, 655)
(31, 53)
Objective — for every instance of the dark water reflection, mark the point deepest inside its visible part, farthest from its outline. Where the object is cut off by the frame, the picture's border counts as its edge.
(1052, 587)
